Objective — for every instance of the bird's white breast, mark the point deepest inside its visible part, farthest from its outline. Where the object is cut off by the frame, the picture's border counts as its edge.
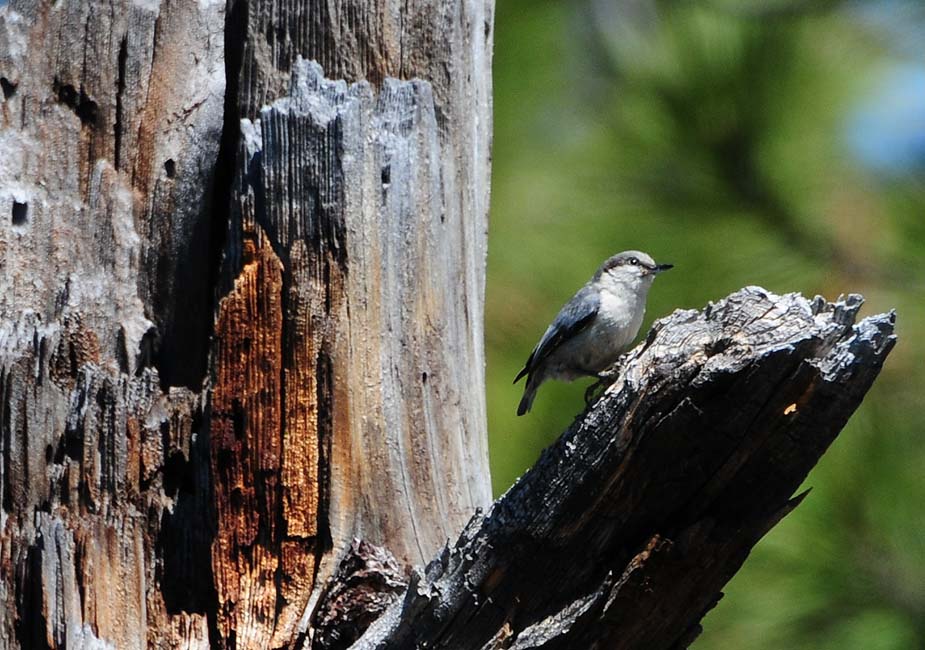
(619, 319)
(619, 316)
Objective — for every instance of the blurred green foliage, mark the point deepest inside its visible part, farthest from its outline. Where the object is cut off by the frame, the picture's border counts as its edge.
(715, 135)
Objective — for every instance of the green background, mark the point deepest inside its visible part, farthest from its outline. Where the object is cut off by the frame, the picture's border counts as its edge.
(729, 138)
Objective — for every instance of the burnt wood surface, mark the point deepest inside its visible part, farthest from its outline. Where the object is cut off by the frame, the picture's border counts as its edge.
(626, 529)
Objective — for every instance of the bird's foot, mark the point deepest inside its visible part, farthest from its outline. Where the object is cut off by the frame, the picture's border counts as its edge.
(604, 380)
(590, 392)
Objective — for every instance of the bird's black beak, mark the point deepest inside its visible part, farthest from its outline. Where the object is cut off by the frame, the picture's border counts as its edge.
(663, 267)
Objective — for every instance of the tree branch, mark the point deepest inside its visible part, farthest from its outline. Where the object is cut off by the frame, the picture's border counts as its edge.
(625, 530)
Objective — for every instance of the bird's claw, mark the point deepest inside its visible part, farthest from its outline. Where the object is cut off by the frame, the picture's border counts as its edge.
(604, 379)
(590, 391)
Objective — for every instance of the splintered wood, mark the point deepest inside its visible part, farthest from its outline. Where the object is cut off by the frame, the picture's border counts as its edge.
(102, 267)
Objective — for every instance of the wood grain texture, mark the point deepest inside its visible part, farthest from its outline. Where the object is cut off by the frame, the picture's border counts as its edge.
(367, 581)
(105, 311)
(625, 531)
(368, 180)
(245, 429)
(381, 438)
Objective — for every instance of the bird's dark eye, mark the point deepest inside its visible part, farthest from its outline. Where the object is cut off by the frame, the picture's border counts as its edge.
(634, 261)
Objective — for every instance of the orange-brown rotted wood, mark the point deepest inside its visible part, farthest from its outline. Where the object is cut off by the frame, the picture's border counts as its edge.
(270, 410)
(303, 341)
(246, 436)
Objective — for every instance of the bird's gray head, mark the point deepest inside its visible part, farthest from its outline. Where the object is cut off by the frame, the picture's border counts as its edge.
(633, 270)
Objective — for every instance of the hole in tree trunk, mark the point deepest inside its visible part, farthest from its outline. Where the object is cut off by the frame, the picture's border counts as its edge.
(20, 213)
(9, 88)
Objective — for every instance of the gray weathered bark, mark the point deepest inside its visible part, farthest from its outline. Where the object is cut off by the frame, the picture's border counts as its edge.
(111, 119)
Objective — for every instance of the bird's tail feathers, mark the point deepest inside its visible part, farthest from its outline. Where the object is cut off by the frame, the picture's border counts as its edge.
(524, 371)
(533, 382)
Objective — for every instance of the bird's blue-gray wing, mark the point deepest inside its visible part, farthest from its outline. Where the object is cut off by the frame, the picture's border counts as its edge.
(574, 317)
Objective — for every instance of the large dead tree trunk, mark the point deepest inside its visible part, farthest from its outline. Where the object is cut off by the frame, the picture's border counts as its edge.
(240, 310)
(241, 327)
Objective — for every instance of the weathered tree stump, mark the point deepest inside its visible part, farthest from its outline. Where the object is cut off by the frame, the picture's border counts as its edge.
(624, 532)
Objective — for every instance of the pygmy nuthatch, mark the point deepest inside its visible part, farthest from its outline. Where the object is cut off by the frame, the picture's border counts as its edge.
(593, 328)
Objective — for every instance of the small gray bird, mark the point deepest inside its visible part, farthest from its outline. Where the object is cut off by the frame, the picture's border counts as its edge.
(593, 328)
